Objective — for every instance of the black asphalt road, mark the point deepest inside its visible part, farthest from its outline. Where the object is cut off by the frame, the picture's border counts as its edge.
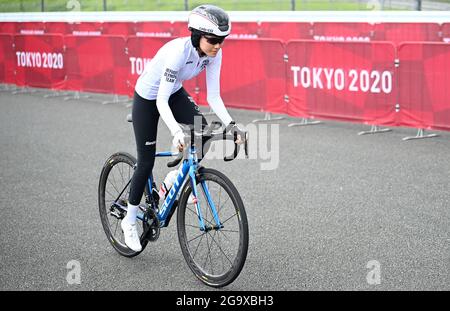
(335, 209)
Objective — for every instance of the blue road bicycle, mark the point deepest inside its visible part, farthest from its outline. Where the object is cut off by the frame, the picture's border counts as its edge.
(211, 223)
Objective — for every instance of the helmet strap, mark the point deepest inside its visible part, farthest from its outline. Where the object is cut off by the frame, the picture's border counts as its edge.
(200, 52)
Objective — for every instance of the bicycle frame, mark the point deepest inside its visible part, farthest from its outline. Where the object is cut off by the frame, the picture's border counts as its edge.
(188, 168)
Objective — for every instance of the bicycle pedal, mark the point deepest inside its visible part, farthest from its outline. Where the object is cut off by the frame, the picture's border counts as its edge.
(116, 214)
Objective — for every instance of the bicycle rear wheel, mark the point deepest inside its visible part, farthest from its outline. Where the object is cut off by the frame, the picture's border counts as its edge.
(217, 255)
(114, 180)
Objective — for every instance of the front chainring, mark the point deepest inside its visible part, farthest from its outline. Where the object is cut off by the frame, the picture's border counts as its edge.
(151, 226)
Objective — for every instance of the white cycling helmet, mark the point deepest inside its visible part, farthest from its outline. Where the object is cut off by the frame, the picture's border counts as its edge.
(210, 19)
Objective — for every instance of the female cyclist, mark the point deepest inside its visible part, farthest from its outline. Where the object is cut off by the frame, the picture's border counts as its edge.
(159, 92)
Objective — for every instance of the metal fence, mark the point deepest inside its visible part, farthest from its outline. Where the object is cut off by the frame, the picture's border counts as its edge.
(233, 5)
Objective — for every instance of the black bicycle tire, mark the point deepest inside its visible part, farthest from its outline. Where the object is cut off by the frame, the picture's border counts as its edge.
(233, 273)
(119, 157)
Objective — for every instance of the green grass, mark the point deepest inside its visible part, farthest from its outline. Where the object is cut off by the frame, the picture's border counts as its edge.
(179, 5)
(138, 5)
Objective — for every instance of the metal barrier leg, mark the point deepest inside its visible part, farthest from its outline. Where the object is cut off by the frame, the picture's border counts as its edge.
(303, 122)
(420, 135)
(116, 100)
(55, 93)
(267, 118)
(76, 95)
(23, 90)
(8, 88)
(374, 130)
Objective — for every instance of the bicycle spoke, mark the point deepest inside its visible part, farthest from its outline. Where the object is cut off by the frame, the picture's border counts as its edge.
(196, 227)
(226, 230)
(229, 218)
(109, 193)
(221, 257)
(195, 213)
(201, 234)
(129, 178)
(115, 229)
(221, 206)
(209, 252)
(113, 186)
(195, 253)
(220, 248)
(113, 177)
(223, 234)
(121, 171)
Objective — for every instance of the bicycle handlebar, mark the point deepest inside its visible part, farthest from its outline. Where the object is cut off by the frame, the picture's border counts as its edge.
(176, 161)
(211, 136)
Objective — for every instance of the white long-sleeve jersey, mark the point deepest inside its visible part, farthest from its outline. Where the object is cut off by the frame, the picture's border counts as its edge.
(174, 63)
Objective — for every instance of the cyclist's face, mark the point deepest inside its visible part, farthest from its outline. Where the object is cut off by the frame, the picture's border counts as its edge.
(211, 45)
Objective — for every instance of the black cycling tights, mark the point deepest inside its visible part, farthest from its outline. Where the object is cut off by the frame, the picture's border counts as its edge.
(145, 123)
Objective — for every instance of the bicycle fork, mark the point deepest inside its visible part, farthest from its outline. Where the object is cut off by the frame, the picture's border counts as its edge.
(203, 227)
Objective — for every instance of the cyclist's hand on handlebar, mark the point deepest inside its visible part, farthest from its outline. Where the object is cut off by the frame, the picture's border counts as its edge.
(178, 140)
(241, 134)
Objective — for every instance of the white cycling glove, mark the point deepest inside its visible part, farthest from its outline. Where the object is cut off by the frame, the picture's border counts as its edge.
(178, 140)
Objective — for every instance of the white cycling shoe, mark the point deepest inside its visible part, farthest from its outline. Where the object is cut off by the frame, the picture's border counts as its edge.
(131, 236)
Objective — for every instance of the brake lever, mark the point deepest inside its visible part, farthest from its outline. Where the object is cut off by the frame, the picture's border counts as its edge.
(235, 152)
(246, 145)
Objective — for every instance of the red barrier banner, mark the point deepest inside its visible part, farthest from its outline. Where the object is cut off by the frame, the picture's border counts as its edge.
(7, 58)
(286, 31)
(119, 28)
(62, 28)
(40, 61)
(352, 81)
(180, 29)
(424, 75)
(141, 50)
(87, 28)
(446, 32)
(97, 64)
(400, 32)
(154, 29)
(253, 75)
(31, 28)
(245, 30)
(359, 32)
(8, 27)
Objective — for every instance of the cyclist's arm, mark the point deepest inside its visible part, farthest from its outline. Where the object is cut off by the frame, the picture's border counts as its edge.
(213, 89)
(169, 76)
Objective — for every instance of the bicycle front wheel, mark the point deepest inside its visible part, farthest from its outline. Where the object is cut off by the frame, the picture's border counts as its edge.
(216, 255)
